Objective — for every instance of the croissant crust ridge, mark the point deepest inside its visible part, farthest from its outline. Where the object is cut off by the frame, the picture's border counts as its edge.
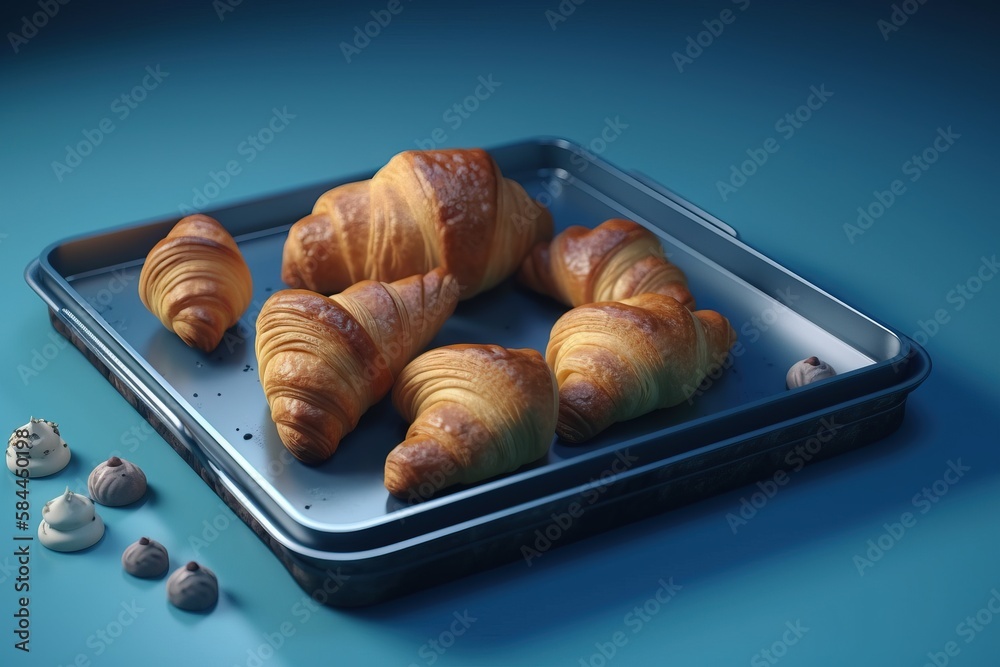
(323, 361)
(196, 281)
(476, 411)
(451, 209)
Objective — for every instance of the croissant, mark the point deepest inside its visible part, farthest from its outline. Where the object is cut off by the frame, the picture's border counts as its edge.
(476, 410)
(323, 361)
(615, 260)
(615, 361)
(424, 209)
(196, 281)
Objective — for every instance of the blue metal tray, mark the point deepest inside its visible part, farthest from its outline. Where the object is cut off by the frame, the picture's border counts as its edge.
(337, 529)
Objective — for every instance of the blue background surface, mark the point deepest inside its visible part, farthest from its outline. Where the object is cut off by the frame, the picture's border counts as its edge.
(793, 565)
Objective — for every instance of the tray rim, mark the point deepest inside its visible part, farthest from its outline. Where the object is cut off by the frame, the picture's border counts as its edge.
(370, 583)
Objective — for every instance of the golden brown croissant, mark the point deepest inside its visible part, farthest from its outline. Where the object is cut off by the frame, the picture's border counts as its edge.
(196, 281)
(424, 209)
(617, 360)
(615, 260)
(476, 411)
(323, 361)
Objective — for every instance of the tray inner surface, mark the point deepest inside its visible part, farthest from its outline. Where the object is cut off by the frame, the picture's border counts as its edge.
(223, 390)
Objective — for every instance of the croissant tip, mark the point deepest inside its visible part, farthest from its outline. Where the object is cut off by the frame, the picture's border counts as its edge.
(398, 481)
(584, 410)
(291, 277)
(572, 426)
(395, 485)
(418, 468)
(196, 336)
(304, 447)
(442, 279)
(573, 429)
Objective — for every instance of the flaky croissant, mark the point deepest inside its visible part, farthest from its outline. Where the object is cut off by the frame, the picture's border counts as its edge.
(617, 360)
(615, 260)
(476, 411)
(323, 361)
(424, 209)
(196, 281)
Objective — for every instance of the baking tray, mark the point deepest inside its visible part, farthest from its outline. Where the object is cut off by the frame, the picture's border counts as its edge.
(334, 526)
